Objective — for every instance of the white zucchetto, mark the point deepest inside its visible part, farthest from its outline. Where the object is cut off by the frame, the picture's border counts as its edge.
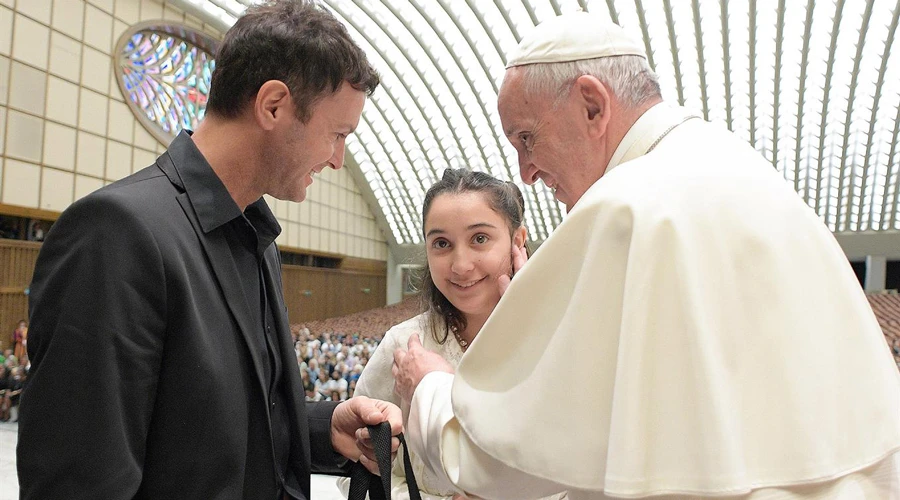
(574, 36)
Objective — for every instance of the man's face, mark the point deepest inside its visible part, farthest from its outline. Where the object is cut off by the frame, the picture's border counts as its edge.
(302, 150)
(550, 139)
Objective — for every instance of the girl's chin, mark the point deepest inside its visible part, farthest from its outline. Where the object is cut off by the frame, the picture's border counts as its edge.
(480, 309)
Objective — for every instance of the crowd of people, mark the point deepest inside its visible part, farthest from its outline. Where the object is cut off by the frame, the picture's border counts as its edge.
(332, 352)
(21, 228)
(14, 366)
(331, 363)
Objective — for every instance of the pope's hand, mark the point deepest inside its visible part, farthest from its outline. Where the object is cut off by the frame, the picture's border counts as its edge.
(411, 366)
(349, 432)
(519, 258)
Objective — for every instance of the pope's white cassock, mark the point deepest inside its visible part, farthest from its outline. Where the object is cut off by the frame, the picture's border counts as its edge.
(691, 329)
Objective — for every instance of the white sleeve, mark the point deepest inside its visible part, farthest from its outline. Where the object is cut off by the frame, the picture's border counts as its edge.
(435, 435)
(399, 486)
(377, 380)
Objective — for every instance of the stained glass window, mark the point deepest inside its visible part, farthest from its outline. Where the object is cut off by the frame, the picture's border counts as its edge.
(164, 73)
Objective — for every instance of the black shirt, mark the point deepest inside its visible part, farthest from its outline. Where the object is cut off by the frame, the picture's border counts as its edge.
(249, 234)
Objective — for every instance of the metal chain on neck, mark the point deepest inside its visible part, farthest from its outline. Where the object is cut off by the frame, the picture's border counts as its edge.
(664, 134)
(462, 342)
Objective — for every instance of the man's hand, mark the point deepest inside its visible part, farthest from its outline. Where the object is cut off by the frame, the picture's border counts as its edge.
(411, 366)
(349, 432)
(519, 258)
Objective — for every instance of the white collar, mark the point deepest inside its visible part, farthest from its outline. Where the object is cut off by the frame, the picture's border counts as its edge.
(655, 123)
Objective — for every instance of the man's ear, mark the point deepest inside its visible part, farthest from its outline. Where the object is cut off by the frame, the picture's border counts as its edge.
(594, 100)
(272, 104)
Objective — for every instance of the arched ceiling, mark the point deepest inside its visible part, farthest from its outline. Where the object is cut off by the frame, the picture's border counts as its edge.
(813, 85)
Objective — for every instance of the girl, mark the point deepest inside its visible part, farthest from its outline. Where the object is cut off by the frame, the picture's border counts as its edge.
(473, 236)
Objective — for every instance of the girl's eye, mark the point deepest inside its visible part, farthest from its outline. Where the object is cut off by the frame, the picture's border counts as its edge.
(439, 243)
(480, 238)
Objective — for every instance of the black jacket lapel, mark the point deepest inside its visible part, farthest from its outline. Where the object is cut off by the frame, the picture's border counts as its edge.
(220, 260)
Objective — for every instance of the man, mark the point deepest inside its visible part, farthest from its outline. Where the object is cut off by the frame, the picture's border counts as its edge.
(163, 363)
(732, 352)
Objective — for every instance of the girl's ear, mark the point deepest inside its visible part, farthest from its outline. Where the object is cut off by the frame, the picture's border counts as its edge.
(520, 235)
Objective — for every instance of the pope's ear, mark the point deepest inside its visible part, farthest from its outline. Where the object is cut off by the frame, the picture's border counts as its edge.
(594, 99)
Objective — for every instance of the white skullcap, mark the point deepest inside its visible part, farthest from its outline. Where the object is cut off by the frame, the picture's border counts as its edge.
(574, 36)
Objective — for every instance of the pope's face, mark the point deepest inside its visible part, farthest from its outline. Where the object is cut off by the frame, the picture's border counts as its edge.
(550, 139)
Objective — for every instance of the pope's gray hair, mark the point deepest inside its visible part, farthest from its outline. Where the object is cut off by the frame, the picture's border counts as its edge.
(629, 78)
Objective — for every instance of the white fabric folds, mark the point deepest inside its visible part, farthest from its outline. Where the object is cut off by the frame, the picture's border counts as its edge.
(691, 327)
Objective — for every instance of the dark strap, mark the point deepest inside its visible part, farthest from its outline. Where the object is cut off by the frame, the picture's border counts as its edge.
(362, 481)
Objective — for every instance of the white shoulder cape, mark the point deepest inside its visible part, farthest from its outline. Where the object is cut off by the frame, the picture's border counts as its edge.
(691, 327)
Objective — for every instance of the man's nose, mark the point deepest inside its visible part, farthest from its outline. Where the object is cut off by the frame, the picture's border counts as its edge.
(337, 159)
(527, 170)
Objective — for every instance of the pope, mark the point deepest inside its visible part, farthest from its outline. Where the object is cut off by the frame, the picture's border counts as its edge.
(710, 335)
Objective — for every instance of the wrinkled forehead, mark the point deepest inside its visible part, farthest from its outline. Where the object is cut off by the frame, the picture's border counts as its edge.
(514, 102)
(512, 88)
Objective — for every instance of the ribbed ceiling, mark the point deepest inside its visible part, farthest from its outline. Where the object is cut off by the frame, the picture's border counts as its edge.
(812, 85)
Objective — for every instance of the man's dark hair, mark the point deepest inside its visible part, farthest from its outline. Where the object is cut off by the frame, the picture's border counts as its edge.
(297, 42)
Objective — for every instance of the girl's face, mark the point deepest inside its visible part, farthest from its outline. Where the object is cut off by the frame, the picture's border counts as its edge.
(468, 247)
